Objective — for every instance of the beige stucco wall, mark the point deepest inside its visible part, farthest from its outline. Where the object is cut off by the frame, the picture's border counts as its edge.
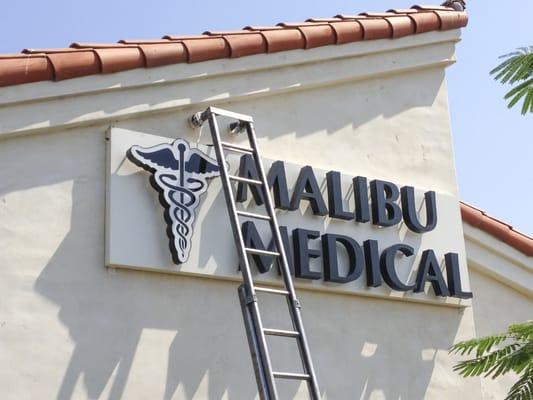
(70, 328)
(496, 306)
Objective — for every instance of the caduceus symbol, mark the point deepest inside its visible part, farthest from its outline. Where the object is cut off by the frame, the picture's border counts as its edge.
(180, 175)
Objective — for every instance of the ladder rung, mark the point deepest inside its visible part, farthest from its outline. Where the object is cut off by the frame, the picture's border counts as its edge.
(245, 180)
(280, 332)
(261, 252)
(290, 375)
(271, 291)
(239, 149)
(229, 114)
(252, 215)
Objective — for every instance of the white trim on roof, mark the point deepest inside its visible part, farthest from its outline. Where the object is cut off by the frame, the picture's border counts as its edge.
(492, 257)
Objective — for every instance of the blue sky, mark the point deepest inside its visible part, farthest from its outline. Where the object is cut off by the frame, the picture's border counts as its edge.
(493, 145)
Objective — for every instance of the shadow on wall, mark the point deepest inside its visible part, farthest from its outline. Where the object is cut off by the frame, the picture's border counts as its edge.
(106, 311)
(329, 109)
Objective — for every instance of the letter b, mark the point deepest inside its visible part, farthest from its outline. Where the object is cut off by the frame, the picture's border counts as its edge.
(385, 211)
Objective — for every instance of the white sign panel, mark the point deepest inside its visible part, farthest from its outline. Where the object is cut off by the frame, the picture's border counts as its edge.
(139, 234)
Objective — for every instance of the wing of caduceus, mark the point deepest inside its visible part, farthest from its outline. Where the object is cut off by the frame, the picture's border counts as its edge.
(180, 175)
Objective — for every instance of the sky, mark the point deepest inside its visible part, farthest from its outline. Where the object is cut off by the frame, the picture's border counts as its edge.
(493, 145)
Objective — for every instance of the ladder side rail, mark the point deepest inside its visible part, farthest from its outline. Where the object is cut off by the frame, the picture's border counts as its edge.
(245, 266)
(286, 273)
(253, 343)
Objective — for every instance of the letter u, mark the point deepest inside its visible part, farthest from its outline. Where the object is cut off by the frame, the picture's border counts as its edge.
(409, 210)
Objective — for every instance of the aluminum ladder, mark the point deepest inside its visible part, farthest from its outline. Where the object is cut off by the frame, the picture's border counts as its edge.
(255, 331)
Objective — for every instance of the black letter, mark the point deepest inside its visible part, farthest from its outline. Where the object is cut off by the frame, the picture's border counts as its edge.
(307, 188)
(388, 270)
(331, 262)
(302, 253)
(253, 240)
(277, 180)
(335, 197)
(429, 271)
(373, 278)
(409, 210)
(454, 277)
(360, 193)
(385, 212)
(247, 169)
(287, 246)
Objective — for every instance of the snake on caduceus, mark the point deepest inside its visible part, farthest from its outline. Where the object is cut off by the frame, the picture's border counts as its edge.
(180, 175)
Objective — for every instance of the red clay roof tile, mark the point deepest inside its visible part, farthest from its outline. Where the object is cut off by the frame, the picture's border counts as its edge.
(206, 48)
(333, 19)
(451, 19)
(281, 39)
(89, 59)
(118, 45)
(74, 64)
(49, 51)
(431, 8)
(119, 59)
(425, 21)
(242, 43)
(157, 54)
(500, 230)
(347, 31)
(377, 15)
(22, 68)
(183, 37)
(403, 10)
(316, 34)
(375, 28)
(401, 25)
(262, 28)
(143, 41)
(246, 45)
(349, 17)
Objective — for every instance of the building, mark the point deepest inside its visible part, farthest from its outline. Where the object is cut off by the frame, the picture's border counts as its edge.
(92, 304)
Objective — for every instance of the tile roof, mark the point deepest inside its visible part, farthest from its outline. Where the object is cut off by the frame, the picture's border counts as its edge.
(499, 229)
(82, 59)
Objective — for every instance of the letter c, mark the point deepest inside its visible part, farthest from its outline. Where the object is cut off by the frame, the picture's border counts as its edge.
(388, 267)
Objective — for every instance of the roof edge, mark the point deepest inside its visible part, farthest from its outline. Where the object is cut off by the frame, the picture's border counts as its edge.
(496, 228)
(35, 65)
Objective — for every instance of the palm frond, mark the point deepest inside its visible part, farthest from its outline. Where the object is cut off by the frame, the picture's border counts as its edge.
(495, 363)
(516, 360)
(518, 67)
(516, 354)
(522, 331)
(480, 345)
(523, 388)
(524, 90)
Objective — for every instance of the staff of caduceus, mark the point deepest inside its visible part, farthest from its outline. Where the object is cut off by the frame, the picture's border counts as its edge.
(177, 168)
(181, 169)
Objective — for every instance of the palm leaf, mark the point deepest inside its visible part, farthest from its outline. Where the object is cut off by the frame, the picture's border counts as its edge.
(515, 354)
(523, 388)
(517, 68)
(481, 345)
(494, 363)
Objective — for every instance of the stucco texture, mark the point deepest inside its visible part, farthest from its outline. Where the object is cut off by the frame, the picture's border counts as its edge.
(73, 329)
(70, 328)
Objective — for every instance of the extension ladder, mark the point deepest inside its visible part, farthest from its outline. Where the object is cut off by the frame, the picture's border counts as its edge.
(255, 331)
